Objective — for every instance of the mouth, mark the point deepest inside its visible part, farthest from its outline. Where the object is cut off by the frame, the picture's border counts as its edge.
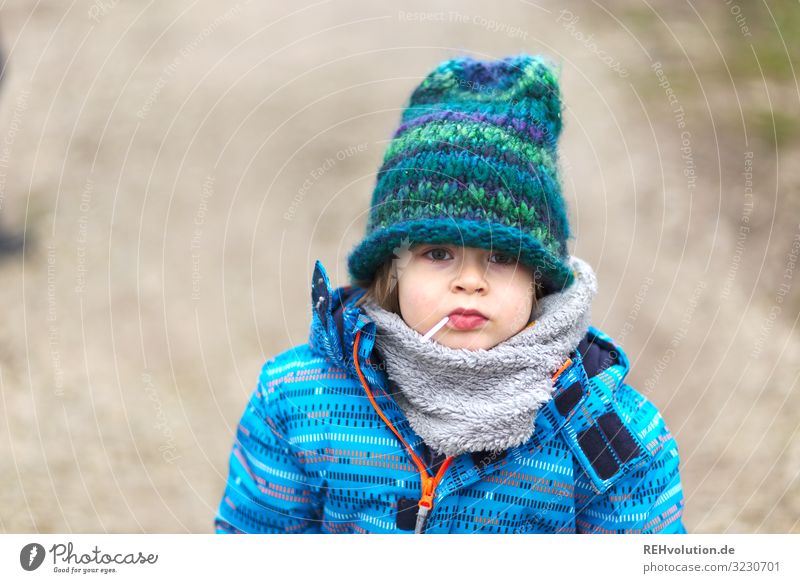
(461, 319)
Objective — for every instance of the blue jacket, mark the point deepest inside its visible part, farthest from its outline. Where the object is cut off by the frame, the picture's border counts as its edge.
(323, 447)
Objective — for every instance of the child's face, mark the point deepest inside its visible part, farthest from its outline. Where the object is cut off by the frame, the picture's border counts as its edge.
(437, 278)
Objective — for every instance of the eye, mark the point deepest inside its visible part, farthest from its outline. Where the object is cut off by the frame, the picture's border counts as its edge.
(439, 251)
(504, 259)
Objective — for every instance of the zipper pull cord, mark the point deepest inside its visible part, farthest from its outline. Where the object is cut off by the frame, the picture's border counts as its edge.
(422, 518)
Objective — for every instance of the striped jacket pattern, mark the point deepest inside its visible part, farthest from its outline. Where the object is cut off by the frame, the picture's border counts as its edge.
(322, 447)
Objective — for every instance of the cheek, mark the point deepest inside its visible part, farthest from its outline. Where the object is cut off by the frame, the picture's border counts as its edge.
(416, 295)
(406, 287)
(418, 290)
(518, 294)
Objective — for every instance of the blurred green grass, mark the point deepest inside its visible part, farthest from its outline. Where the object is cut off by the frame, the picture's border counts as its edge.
(764, 55)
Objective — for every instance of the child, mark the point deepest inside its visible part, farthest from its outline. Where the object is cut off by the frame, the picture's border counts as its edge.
(457, 385)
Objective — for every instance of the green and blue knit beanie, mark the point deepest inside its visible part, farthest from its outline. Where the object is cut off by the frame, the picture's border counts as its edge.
(474, 163)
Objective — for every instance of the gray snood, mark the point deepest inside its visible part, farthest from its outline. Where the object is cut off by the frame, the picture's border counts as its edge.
(459, 400)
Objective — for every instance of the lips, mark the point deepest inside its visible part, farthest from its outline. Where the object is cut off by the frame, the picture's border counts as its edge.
(462, 319)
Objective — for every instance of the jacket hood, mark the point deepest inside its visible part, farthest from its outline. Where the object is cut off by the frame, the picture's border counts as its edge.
(335, 321)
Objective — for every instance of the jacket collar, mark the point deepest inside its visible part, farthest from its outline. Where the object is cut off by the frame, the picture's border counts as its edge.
(335, 320)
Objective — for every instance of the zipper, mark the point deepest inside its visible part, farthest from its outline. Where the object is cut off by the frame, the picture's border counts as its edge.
(429, 483)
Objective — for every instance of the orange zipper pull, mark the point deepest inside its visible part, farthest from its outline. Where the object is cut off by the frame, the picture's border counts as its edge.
(428, 488)
(425, 503)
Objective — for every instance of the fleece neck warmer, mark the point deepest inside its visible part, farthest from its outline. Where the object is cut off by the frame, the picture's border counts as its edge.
(459, 400)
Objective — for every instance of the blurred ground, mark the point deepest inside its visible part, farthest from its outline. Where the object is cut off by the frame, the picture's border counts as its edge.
(167, 164)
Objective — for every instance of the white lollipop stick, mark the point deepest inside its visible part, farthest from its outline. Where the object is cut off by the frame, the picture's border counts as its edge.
(436, 328)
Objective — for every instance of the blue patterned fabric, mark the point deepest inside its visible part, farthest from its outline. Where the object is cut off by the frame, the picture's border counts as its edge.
(312, 454)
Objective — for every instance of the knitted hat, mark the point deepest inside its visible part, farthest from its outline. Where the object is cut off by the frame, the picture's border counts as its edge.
(474, 163)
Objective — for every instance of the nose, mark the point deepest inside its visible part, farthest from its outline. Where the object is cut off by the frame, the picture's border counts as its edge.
(471, 278)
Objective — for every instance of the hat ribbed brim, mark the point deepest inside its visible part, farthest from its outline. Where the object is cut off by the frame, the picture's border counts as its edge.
(377, 247)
